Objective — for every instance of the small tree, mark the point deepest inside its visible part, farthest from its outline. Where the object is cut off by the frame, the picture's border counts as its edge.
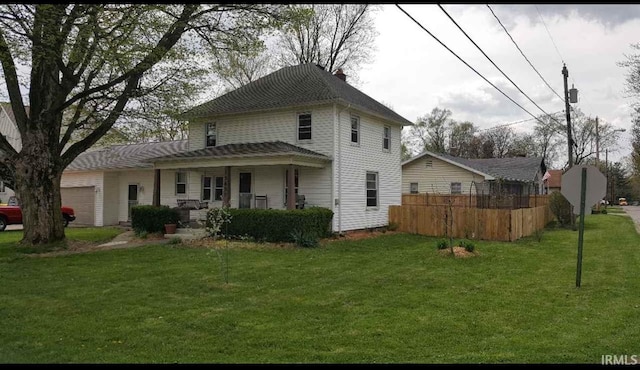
(561, 208)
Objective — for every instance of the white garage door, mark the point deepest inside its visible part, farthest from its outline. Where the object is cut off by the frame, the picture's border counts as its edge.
(82, 200)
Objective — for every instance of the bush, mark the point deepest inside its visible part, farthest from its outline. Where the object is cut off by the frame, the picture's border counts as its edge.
(277, 225)
(467, 245)
(561, 208)
(305, 240)
(152, 219)
(442, 244)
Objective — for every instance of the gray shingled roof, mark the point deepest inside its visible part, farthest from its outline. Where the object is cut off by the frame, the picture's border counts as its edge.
(126, 156)
(516, 169)
(242, 150)
(303, 84)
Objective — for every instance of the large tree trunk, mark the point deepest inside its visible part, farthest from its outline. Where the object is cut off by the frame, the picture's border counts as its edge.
(38, 188)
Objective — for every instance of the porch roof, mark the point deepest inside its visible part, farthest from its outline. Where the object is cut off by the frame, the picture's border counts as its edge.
(225, 153)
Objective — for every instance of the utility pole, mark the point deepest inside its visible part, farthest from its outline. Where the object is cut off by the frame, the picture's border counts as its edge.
(597, 144)
(565, 73)
(567, 108)
(597, 157)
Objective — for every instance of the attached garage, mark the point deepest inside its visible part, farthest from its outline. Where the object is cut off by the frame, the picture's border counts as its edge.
(82, 200)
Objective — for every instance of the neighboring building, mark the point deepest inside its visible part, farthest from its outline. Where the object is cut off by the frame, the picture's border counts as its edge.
(444, 174)
(9, 129)
(554, 182)
(300, 127)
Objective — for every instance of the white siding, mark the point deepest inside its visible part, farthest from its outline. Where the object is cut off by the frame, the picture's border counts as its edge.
(271, 126)
(352, 163)
(77, 179)
(437, 178)
(144, 180)
(9, 130)
(111, 198)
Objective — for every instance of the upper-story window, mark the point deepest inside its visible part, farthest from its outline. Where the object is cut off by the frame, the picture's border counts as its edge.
(386, 138)
(211, 134)
(304, 126)
(355, 129)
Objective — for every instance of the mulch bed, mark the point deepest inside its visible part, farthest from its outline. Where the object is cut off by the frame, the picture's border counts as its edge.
(457, 252)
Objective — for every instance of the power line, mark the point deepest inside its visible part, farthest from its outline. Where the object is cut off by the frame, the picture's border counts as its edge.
(498, 68)
(525, 57)
(549, 33)
(467, 64)
(513, 123)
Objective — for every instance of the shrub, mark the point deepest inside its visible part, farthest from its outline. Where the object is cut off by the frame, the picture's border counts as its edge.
(468, 246)
(305, 240)
(152, 218)
(603, 211)
(561, 208)
(216, 218)
(276, 225)
(442, 244)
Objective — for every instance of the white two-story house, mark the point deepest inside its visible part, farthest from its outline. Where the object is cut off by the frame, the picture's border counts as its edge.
(299, 128)
(9, 129)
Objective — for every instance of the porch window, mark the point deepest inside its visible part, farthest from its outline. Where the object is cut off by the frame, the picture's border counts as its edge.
(304, 126)
(286, 184)
(206, 188)
(219, 187)
(355, 129)
(386, 139)
(372, 189)
(181, 182)
(210, 133)
(456, 188)
(413, 188)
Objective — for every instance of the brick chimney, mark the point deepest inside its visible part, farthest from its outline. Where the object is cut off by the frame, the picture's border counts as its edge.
(341, 75)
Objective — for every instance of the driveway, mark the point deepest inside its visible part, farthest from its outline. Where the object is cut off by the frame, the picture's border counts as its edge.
(634, 213)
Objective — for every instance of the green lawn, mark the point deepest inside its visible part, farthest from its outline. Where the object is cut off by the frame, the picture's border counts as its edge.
(392, 299)
(10, 250)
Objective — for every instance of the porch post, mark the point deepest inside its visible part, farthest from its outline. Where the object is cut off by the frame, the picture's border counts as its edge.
(291, 185)
(226, 187)
(156, 188)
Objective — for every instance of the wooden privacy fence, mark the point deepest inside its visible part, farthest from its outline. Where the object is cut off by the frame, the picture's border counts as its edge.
(462, 200)
(469, 222)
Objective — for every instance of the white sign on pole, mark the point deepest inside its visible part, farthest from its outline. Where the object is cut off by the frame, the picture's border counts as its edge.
(572, 182)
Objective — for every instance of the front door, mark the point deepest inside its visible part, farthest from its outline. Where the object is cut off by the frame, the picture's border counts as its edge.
(132, 199)
(245, 190)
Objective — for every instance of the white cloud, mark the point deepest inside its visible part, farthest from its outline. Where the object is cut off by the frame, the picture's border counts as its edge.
(414, 73)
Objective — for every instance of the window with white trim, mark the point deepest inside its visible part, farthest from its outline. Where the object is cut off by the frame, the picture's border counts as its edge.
(456, 188)
(304, 126)
(372, 189)
(386, 139)
(413, 188)
(355, 129)
(181, 182)
(211, 134)
(206, 188)
(218, 189)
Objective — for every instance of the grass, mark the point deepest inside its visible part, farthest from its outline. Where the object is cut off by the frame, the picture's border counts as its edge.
(9, 248)
(391, 299)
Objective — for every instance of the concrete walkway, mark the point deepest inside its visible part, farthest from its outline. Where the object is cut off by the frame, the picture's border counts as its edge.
(634, 213)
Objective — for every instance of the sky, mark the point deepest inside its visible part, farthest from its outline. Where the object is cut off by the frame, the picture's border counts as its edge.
(413, 73)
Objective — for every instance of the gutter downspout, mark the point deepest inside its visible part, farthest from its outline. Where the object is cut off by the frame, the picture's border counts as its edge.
(340, 169)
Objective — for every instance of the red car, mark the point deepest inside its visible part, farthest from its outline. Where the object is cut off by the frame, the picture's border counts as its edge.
(12, 214)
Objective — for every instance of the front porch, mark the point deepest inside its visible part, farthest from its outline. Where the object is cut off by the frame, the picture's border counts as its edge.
(245, 176)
